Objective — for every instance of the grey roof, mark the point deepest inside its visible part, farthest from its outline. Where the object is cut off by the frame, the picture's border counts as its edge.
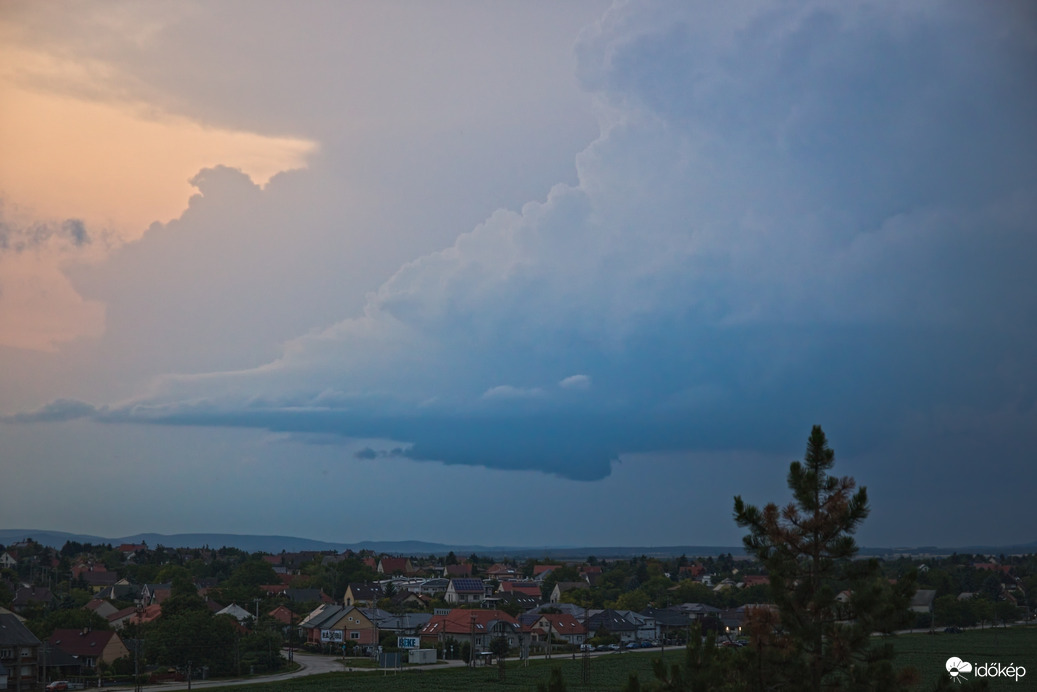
(375, 614)
(366, 592)
(32, 594)
(303, 595)
(576, 611)
(697, 608)
(519, 599)
(58, 658)
(405, 622)
(609, 620)
(235, 611)
(564, 586)
(321, 616)
(158, 587)
(922, 600)
(14, 633)
(636, 618)
(118, 592)
(667, 617)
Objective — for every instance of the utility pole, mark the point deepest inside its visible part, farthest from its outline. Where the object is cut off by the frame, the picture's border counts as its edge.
(137, 645)
(586, 666)
(291, 635)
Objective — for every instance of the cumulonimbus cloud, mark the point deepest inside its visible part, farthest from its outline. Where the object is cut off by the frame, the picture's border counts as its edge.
(792, 213)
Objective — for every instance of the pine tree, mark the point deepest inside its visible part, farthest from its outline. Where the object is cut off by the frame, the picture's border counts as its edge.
(829, 604)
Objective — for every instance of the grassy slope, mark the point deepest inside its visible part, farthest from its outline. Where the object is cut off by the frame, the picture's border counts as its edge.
(929, 653)
(608, 672)
(926, 653)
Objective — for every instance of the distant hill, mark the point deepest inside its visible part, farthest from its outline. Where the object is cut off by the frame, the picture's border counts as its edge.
(277, 544)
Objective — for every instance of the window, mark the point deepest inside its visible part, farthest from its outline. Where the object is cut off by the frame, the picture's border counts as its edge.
(354, 635)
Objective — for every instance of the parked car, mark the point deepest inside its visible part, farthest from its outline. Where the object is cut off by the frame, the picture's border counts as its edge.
(57, 686)
(613, 647)
(647, 644)
(952, 630)
(633, 645)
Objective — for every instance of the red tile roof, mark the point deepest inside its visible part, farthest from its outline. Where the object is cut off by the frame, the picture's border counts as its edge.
(561, 623)
(131, 547)
(390, 565)
(81, 642)
(461, 621)
(284, 615)
(462, 570)
(150, 613)
(522, 588)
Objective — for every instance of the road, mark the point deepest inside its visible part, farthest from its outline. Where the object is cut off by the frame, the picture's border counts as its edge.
(309, 664)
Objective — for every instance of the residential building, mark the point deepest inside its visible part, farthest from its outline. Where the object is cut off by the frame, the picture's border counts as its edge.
(527, 588)
(560, 627)
(465, 591)
(236, 612)
(103, 608)
(335, 624)
(435, 588)
(563, 586)
(19, 653)
(462, 569)
(363, 594)
(612, 622)
(26, 597)
(91, 647)
(395, 565)
(155, 593)
(475, 627)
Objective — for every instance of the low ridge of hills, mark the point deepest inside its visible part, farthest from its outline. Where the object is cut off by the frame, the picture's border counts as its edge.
(277, 544)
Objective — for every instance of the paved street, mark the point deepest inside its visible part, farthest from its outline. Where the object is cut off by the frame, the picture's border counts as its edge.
(309, 664)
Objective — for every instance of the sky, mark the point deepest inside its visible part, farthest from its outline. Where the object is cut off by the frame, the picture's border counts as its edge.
(516, 273)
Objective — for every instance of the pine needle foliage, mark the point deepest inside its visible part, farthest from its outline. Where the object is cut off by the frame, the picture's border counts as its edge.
(829, 604)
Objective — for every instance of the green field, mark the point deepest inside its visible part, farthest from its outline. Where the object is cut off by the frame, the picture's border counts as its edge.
(928, 653)
(606, 672)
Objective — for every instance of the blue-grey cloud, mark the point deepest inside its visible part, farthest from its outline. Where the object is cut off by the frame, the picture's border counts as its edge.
(575, 382)
(794, 214)
(59, 410)
(70, 234)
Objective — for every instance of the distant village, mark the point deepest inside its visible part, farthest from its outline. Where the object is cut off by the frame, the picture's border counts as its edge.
(133, 611)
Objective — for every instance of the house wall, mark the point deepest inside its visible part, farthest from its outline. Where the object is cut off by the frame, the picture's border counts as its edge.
(114, 649)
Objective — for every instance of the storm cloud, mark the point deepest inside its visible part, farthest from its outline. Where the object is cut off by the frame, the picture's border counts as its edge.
(793, 214)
